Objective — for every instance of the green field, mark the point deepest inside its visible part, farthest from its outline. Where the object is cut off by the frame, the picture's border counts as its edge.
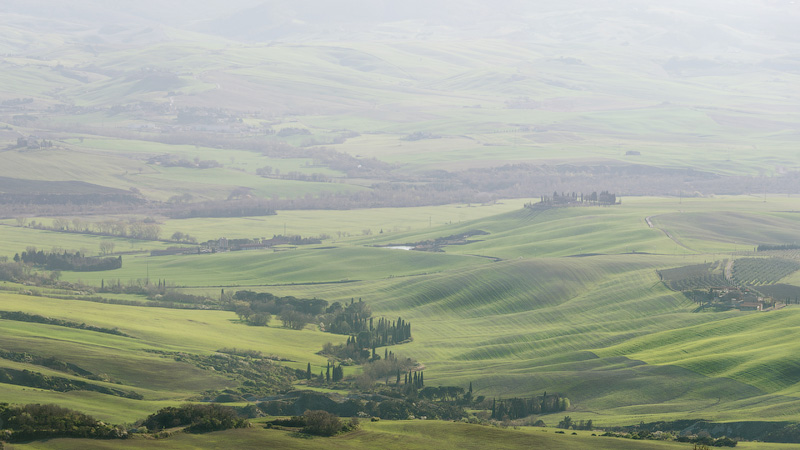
(600, 328)
(401, 434)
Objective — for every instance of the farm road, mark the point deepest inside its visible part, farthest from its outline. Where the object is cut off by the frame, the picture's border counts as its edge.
(649, 220)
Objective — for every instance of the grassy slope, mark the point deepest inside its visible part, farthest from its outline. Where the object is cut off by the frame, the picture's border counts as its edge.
(381, 435)
(161, 380)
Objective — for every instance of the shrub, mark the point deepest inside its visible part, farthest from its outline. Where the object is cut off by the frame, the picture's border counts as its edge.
(322, 423)
(197, 418)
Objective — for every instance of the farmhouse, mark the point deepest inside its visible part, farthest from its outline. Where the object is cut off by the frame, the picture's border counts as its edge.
(751, 306)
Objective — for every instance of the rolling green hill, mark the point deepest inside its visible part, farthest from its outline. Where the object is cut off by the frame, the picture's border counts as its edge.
(600, 328)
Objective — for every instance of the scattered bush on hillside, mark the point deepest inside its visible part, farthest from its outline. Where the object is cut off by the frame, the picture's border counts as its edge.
(49, 362)
(321, 423)
(21, 273)
(257, 376)
(58, 384)
(318, 422)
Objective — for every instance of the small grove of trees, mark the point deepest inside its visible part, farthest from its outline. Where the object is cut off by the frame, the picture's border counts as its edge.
(567, 423)
(319, 422)
(517, 408)
(196, 418)
(15, 272)
(180, 236)
(354, 319)
(563, 199)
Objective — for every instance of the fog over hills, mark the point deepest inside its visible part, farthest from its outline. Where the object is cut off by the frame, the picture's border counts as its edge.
(767, 26)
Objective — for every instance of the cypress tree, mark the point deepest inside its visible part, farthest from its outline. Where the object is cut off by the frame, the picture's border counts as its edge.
(308, 371)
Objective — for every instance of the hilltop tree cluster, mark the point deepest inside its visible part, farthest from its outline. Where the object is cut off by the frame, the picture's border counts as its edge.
(573, 199)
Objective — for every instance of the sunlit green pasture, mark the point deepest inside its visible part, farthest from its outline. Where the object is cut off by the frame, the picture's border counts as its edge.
(341, 224)
(258, 267)
(124, 360)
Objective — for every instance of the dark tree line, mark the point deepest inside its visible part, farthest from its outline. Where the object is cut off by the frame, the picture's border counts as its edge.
(380, 406)
(68, 261)
(766, 247)
(517, 408)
